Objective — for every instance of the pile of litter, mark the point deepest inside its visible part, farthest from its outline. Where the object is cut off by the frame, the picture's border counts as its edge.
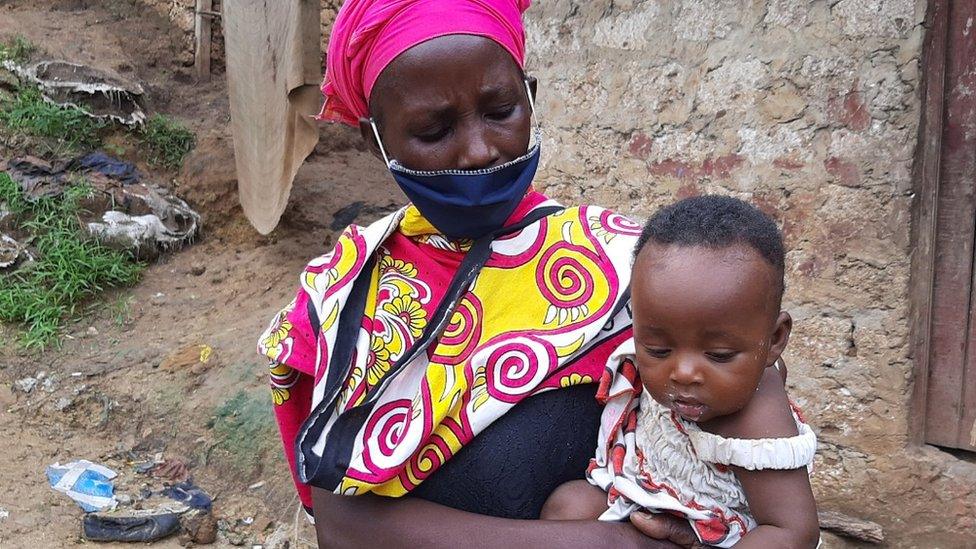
(124, 211)
(98, 93)
(165, 502)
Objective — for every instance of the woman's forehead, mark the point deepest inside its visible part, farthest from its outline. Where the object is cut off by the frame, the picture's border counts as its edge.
(438, 70)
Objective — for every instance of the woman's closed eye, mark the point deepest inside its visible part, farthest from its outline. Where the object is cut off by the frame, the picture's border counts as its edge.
(501, 113)
(433, 135)
(721, 356)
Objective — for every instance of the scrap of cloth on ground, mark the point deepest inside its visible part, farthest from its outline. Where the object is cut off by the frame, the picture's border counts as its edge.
(543, 313)
(650, 457)
(274, 66)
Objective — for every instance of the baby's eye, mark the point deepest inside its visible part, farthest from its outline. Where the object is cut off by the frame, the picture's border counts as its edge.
(658, 352)
(721, 356)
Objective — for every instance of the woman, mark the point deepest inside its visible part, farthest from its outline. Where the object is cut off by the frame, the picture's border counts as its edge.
(449, 351)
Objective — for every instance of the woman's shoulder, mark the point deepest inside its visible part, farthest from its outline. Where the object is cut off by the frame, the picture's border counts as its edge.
(604, 227)
(597, 213)
(352, 248)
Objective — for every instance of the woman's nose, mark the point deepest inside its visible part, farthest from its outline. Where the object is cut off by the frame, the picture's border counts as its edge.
(686, 372)
(476, 149)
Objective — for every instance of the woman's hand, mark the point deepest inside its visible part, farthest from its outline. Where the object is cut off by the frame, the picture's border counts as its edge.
(666, 527)
(373, 521)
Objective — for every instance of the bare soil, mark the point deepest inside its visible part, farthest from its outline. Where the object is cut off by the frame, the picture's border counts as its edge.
(108, 399)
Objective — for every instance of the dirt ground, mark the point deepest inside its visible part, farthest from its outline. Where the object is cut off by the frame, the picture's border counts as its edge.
(106, 398)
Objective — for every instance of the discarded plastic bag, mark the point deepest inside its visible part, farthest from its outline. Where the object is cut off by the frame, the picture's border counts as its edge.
(113, 168)
(123, 212)
(37, 178)
(12, 252)
(88, 484)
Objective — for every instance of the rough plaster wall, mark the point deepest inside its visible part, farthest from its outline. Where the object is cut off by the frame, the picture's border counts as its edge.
(810, 110)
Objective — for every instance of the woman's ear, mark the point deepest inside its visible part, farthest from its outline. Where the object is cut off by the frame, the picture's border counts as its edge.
(781, 336)
(366, 130)
(533, 87)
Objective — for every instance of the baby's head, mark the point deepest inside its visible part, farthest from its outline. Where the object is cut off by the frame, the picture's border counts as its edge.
(707, 287)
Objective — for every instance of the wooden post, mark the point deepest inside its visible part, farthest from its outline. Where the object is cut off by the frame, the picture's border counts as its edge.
(203, 33)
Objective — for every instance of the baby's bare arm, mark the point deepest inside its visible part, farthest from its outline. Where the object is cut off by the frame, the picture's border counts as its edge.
(575, 500)
(780, 500)
(783, 505)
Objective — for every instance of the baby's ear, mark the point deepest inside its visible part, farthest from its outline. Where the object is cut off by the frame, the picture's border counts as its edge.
(780, 337)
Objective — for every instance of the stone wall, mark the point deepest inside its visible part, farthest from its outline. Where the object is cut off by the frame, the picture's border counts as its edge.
(810, 109)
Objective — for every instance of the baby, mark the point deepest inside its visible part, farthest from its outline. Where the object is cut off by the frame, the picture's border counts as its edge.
(711, 436)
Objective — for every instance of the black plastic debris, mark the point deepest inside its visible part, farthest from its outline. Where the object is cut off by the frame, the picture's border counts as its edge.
(113, 168)
(137, 526)
(190, 495)
(37, 178)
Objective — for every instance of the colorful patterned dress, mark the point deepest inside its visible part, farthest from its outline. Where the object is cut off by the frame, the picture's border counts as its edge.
(543, 312)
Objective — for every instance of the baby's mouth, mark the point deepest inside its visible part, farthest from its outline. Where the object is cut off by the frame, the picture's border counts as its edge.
(688, 408)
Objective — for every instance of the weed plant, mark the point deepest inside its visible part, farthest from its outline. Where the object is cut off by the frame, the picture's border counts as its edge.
(68, 269)
(244, 428)
(67, 129)
(19, 50)
(167, 142)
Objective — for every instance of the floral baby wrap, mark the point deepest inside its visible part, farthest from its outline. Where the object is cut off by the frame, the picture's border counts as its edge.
(649, 457)
(439, 347)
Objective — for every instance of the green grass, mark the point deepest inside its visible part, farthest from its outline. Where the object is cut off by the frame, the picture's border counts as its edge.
(120, 310)
(67, 271)
(18, 50)
(65, 129)
(167, 142)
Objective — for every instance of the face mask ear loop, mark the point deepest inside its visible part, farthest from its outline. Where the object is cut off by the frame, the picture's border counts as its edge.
(376, 134)
(528, 91)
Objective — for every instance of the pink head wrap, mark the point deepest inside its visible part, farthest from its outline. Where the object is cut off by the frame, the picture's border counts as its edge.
(369, 34)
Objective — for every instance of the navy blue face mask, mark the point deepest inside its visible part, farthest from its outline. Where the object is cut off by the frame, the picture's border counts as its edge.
(467, 203)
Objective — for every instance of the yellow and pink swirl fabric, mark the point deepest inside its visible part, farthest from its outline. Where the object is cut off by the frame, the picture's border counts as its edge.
(545, 312)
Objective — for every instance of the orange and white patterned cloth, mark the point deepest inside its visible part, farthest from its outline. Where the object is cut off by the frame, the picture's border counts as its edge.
(543, 313)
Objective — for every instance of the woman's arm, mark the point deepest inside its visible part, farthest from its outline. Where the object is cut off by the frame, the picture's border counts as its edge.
(374, 521)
